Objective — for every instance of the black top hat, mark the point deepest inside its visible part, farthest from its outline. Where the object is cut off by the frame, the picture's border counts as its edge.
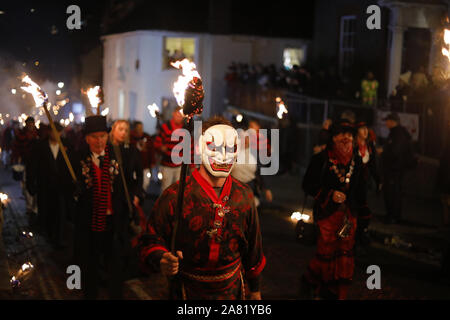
(392, 116)
(341, 126)
(95, 124)
(29, 119)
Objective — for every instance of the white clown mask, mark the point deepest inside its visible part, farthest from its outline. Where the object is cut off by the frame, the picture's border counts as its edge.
(219, 147)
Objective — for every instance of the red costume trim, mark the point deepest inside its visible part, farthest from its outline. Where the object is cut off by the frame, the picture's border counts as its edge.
(214, 246)
(256, 270)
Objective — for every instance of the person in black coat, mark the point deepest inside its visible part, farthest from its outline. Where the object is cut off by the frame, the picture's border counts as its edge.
(333, 179)
(395, 159)
(102, 244)
(367, 157)
(49, 179)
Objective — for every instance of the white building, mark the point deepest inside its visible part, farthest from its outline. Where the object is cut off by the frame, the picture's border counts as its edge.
(136, 70)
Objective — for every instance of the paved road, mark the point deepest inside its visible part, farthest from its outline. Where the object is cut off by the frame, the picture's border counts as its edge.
(401, 278)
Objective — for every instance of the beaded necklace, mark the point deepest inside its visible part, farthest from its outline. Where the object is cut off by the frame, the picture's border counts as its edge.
(342, 176)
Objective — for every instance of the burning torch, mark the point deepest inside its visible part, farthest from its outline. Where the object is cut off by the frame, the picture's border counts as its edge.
(188, 91)
(95, 96)
(41, 100)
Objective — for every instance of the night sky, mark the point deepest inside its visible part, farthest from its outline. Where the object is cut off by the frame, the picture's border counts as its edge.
(36, 31)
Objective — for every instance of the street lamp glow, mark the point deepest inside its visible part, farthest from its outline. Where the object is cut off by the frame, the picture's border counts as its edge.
(239, 118)
(58, 92)
(60, 85)
(13, 91)
(160, 175)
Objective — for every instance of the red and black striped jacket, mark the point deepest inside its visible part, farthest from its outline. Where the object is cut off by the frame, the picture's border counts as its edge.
(164, 138)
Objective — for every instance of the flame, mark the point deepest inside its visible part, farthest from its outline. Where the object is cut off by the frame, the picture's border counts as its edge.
(71, 117)
(281, 108)
(105, 112)
(445, 51)
(153, 109)
(299, 216)
(180, 86)
(39, 96)
(3, 198)
(93, 96)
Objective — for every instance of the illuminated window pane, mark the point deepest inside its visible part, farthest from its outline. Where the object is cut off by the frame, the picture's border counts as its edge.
(292, 56)
(177, 49)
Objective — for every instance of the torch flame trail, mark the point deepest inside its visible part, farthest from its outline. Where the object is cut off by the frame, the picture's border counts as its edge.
(189, 73)
(39, 96)
(281, 108)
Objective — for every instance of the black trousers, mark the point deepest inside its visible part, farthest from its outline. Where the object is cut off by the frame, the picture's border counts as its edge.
(104, 265)
(392, 186)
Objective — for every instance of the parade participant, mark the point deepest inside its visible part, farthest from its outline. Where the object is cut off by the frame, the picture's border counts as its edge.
(102, 243)
(396, 158)
(332, 178)
(164, 144)
(366, 155)
(248, 171)
(143, 142)
(49, 179)
(218, 241)
(23, 143)
(120, 135)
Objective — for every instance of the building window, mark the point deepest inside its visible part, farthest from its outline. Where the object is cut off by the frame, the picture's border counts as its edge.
(177, 49)
(347, 43)
(292, 57)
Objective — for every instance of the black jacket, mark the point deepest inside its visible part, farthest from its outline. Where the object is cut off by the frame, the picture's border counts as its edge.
(84, 208)
(396, 151)
(320, 182)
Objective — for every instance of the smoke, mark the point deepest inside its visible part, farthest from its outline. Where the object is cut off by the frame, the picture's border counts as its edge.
(19, 102)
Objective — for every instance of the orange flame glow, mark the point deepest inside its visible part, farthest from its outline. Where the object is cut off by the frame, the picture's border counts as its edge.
(93, 96)
(180, 86)
(281, 108)
(39, 96)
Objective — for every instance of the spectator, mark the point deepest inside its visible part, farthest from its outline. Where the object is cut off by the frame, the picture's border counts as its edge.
(369, 90)
(396, 155)
(143, 142)
(419, 80)
(324, 136)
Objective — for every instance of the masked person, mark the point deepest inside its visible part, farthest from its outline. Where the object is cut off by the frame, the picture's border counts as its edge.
(102, 235)
(218, 238)
(333, 179)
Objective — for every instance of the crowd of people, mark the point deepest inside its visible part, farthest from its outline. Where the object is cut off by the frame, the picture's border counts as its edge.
(219, 251)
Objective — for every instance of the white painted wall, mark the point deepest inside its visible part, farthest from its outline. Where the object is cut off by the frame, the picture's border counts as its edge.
(151, 83)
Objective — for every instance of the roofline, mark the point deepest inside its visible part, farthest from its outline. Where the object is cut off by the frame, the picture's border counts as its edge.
(192, 34)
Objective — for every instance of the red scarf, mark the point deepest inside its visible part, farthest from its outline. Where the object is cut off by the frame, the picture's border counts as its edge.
(341, 156)
(362, 149)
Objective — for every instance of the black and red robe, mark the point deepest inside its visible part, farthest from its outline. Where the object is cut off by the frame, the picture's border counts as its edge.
(333, 265)
(219, 236)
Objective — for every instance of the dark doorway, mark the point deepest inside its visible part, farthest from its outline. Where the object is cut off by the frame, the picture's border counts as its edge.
(416, 49)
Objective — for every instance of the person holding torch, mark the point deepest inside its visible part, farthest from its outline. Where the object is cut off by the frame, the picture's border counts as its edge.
(204, 230)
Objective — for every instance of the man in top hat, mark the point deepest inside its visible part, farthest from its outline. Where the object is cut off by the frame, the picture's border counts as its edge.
(102, 235)
(397, 157)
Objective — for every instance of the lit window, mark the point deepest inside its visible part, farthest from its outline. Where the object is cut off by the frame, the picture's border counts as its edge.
(347, 43)
(177, 49)
(292, 57)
